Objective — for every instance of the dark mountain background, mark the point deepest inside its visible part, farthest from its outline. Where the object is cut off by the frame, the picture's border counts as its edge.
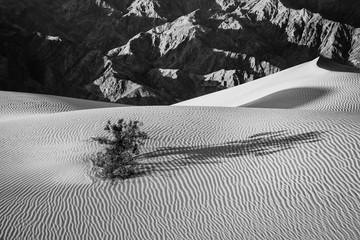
(164, 51)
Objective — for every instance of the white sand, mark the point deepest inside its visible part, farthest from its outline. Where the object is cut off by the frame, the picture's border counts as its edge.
(16, 104)
(317, 85)
(216, 173)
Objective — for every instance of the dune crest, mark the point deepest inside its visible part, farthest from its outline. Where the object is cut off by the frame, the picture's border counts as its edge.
(320, 84)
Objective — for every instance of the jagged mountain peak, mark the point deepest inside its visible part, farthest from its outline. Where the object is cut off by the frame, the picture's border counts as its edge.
(131, 50)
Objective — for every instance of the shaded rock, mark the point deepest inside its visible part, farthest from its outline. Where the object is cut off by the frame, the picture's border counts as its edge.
(110, 87)
(162, 51)
(227, 78)
(174, 85)
(346, 11)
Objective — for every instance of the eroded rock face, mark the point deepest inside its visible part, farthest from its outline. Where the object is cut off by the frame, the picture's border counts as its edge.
(345, 11)
(162, 51)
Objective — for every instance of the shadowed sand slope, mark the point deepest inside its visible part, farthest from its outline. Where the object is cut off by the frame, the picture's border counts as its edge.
(16, 104)
(207, 173)
(317, 85)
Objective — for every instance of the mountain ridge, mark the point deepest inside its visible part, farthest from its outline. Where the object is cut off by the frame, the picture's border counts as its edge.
(160, 52)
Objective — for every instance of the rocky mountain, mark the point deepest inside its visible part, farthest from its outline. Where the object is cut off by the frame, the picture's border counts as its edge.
(162, 51)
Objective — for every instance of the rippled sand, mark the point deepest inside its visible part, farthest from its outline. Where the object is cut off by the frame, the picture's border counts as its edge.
(207, 173)
(16, 104)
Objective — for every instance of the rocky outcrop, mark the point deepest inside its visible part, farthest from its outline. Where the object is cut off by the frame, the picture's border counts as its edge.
(162, 51)
(345, 11)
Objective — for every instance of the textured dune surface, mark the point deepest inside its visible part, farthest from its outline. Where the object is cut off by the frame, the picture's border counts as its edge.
(208, 173)
(16, 104)
(278, 168)
(317, 85)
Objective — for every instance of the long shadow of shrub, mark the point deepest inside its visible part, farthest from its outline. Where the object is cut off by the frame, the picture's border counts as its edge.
(261, 144)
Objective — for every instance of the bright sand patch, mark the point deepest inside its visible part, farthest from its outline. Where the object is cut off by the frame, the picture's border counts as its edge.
(316, 85)
(216, 173)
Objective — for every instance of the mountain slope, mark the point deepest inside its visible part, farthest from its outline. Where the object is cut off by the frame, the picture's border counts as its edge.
(161, 51)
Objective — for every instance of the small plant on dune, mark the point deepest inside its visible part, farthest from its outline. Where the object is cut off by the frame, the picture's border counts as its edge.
(118, 159)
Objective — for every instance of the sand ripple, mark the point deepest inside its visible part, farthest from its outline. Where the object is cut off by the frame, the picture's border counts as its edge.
(16, 104)
(208, 173)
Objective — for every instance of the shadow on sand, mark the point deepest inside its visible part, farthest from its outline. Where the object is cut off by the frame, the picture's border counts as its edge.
(262, 144)
(289, 98)
(333, 66)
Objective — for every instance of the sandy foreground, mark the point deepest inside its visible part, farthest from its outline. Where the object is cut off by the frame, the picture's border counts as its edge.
(209, 172)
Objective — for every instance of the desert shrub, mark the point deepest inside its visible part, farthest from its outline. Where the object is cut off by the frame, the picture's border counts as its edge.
(118, 159)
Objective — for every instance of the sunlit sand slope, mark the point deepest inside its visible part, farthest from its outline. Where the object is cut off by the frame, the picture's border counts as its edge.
(317, 85)
(16, 104)
(208, 173)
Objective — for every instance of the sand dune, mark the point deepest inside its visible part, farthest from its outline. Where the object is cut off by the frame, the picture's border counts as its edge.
(255, 172)
(317, 85)
(242, 174)
(16, 104)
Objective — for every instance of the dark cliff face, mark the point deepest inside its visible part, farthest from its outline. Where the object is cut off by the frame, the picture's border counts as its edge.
(162, 51)
(345, 11)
